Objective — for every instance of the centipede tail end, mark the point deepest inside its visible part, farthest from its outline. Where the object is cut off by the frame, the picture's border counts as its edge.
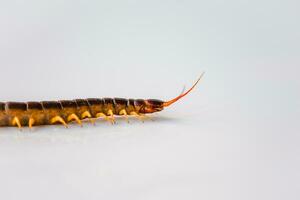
(155, 105)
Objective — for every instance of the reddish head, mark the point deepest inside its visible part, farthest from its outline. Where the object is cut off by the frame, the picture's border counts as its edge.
(155, 105)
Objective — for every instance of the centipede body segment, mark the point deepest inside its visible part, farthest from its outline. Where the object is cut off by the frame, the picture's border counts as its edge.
(31, 114)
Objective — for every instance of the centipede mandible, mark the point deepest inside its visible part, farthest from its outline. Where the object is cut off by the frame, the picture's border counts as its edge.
(21, 114)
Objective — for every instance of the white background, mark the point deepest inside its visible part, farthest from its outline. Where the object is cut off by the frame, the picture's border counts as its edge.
(235, 137)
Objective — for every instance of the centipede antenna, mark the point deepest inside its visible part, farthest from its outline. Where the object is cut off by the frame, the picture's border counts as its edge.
(182, 91)
(168, 103)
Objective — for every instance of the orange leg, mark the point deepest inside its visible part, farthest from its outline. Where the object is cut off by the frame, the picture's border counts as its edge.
(124, 113)
(31, 122)
(16, 122)
(111, 116)
(60, 120)
(139, 116)
(100, 115)
(87, 114)
(74, 117)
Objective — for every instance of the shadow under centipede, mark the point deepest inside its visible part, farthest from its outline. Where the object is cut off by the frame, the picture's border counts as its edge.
(160, 118)
(119, 121)
(76, 134)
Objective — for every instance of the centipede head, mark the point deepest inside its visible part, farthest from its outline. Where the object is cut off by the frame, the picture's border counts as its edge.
(152, 106)
(155, 105)
(168, 103)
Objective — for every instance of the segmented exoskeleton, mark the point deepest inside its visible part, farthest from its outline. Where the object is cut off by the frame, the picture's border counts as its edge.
(62, 112)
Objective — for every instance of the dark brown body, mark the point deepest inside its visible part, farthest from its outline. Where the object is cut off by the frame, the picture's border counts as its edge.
(52, 112)
(43, 112)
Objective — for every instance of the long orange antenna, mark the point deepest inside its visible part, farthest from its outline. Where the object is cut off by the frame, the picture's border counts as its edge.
(168, 103)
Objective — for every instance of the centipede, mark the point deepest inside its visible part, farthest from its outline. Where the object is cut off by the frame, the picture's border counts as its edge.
(63, 112)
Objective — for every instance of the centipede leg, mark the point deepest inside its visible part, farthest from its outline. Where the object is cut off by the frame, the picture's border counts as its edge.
(31, 122)
(60, 120)
(111, 116)
(100, 115)
(124, 113)
(139, 116)
(74, 117)
(146, 117)
(17, 122)
(87, 114)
